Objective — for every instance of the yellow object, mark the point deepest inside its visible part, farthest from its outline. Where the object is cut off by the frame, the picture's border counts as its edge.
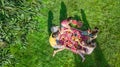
(52, 41)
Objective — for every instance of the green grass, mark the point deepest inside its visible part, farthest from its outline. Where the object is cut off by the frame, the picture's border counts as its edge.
(37, 51)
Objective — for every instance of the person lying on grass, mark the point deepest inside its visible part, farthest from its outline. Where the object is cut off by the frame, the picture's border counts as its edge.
(54, 41)
(81, 50)
(63, 41)
(91, 34)
(56, 44)
(67, 23)
(86, 49)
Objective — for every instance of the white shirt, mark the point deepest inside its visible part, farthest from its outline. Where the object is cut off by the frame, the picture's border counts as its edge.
(55, 29)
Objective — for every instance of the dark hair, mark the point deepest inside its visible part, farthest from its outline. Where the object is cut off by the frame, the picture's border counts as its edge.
(54, 25)
(55, 34)
(69, 18)
(95, 31)
(96, 28)
(90, 44)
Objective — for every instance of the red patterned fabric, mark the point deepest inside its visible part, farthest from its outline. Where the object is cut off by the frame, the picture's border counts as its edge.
(67, 39)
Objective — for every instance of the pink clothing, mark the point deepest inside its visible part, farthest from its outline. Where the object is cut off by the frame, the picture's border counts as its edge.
(84, 38)
(78, 24)
(74, 22)
(66, 36)
(73, 49)
(65, 23)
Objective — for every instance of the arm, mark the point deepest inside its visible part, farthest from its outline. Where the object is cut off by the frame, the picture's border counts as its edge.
(60, 49)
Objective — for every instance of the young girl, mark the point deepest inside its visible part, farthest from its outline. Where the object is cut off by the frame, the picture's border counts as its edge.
(53, 40)
(66, 24)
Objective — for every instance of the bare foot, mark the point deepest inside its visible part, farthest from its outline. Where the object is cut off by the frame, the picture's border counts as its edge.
(83, 59)
(54, 53)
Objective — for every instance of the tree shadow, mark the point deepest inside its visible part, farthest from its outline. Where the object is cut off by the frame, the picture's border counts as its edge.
(99, 57)
(63, 12)
(76, 17)
(100, 60)
(85, 24)
(78, 61)
(50, 18)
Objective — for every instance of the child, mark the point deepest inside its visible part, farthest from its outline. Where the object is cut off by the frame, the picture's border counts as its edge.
(76, 24)
(55, 29)
(93, 34)
(90, 47)
(67, 24)
(54, 42)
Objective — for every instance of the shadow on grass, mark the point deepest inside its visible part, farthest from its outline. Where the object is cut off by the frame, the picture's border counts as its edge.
(76, 17)
(89, 62)
(63, 12)
(99, 57)
(85, 24)
(50, 18)
(100, 60)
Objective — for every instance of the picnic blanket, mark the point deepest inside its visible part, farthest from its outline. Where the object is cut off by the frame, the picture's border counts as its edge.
(73, 39)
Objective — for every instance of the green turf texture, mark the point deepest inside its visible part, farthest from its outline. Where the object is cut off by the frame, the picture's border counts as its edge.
(104, 14)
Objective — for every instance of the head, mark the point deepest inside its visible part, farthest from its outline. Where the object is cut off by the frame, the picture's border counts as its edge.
(55, 29)
(92, 44)
(54, 35)
(93, 33)
(69, 18)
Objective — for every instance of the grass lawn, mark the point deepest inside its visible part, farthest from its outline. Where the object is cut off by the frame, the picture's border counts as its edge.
(37, 52)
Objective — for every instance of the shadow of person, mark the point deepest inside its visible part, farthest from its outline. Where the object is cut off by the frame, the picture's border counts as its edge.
(63, 12)
(100, 60)
(50, 18)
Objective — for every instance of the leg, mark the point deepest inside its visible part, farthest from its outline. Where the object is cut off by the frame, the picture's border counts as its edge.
(55, 51)
(83, 58)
